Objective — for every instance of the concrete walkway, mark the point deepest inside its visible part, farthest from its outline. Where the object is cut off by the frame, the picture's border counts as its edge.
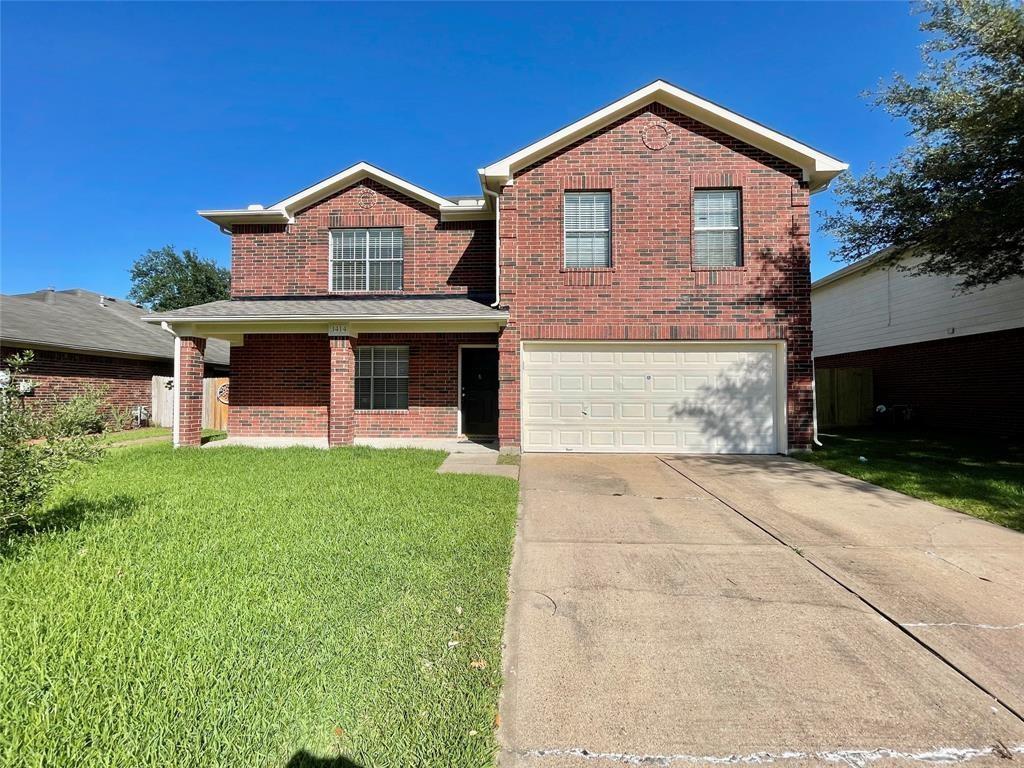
(708, 610)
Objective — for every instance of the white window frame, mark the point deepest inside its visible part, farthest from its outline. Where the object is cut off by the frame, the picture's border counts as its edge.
(738, 228)
(607, 231)
(367, 261)
(370, 349)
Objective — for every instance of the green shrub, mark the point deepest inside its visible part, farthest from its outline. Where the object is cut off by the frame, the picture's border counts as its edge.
(84, 414)
(36, 452)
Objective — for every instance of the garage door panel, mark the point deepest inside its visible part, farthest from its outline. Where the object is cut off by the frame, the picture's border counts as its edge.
(631, 383)
(570, 383)
(671, 396)
(539, 383)
(539, 410)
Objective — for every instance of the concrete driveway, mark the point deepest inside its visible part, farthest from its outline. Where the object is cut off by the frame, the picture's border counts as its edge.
(733, 610)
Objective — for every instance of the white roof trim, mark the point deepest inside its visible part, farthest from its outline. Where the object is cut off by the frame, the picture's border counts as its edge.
(818, 167)
(501, 319)
(285, 210)
(224, 217)
(351, 175)
(851, 269)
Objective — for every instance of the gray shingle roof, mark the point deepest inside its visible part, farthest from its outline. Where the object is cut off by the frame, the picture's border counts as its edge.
(339, 307)
(76, 319)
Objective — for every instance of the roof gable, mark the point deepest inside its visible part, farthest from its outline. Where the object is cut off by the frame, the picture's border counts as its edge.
(818, 167)
(284, 211)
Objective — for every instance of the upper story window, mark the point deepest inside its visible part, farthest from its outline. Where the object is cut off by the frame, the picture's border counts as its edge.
(366, 259)
(716, 228)
(588, 229)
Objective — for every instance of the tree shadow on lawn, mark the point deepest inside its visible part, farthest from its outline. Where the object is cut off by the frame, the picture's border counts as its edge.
(303, 759)
(64, 517)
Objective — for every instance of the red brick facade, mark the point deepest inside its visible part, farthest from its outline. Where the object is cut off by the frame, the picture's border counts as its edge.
(970, 383)
(652, 291)
(63, 375)
(433, 385)
(282, 384)
(293, 259)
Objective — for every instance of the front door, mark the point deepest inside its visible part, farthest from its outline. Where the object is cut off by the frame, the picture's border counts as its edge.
(479, 396)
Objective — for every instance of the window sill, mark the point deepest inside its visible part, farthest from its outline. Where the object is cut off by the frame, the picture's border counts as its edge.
(366, 293)
(564, 270)
(741, 268)
(380, 410)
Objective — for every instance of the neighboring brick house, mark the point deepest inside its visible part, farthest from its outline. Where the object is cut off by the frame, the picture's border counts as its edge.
(955, 359)
(82, 341)
(637, 281)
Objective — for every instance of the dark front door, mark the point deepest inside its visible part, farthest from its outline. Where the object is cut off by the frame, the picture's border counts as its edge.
(479, 396)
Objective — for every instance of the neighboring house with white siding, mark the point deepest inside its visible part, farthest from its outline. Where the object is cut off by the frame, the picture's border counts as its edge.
(955, 358)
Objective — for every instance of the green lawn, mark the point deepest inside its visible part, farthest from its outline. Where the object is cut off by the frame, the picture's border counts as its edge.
(243, 607)
(982, 476)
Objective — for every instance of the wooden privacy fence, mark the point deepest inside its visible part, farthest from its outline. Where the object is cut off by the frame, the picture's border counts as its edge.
(844, 396)
(215, 402)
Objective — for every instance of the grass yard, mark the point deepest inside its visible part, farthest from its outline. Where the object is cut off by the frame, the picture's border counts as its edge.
(240, 607)
(981, 476)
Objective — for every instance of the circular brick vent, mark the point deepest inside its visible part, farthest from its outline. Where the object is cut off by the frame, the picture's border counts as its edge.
(366, 198)
(655, 136)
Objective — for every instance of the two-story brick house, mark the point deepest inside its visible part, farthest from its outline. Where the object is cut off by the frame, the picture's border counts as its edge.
(637, 281)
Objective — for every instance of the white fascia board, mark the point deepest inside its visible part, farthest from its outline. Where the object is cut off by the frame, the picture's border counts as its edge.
(351, 175)
(851, 269)
(819, 167)
(226, 217)
(466, 213)
(321, 318)
(284, 211)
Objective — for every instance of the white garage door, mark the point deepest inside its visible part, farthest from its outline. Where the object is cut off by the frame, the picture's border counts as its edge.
(655, 397)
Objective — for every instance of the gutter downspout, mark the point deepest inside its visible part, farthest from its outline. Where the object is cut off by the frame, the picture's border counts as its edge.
(814, 402)
(497, 245)
(175, 412)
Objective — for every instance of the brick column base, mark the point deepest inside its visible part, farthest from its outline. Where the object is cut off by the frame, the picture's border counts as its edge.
(188, 391)
(341, 420)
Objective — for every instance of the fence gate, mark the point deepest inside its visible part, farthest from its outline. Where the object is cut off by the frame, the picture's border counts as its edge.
(844, 395)
(215, 402)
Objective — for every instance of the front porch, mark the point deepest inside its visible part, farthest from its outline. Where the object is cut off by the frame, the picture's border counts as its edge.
(417, 375)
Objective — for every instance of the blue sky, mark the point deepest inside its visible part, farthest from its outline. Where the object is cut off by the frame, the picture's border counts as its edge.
(120, 120)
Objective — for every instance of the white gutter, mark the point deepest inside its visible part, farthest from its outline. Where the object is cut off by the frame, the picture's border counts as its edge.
(497, 243)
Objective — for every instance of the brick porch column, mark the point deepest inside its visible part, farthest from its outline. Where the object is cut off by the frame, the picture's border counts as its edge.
(188, 391)
(340, 418)
(508, 389)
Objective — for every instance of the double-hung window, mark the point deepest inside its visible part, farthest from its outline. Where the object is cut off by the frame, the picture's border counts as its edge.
(588, 229)
(716, 228)
(382, 378)
(366, 259)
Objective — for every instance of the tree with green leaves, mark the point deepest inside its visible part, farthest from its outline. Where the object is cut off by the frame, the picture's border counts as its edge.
(163, 280)
(955, 197)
